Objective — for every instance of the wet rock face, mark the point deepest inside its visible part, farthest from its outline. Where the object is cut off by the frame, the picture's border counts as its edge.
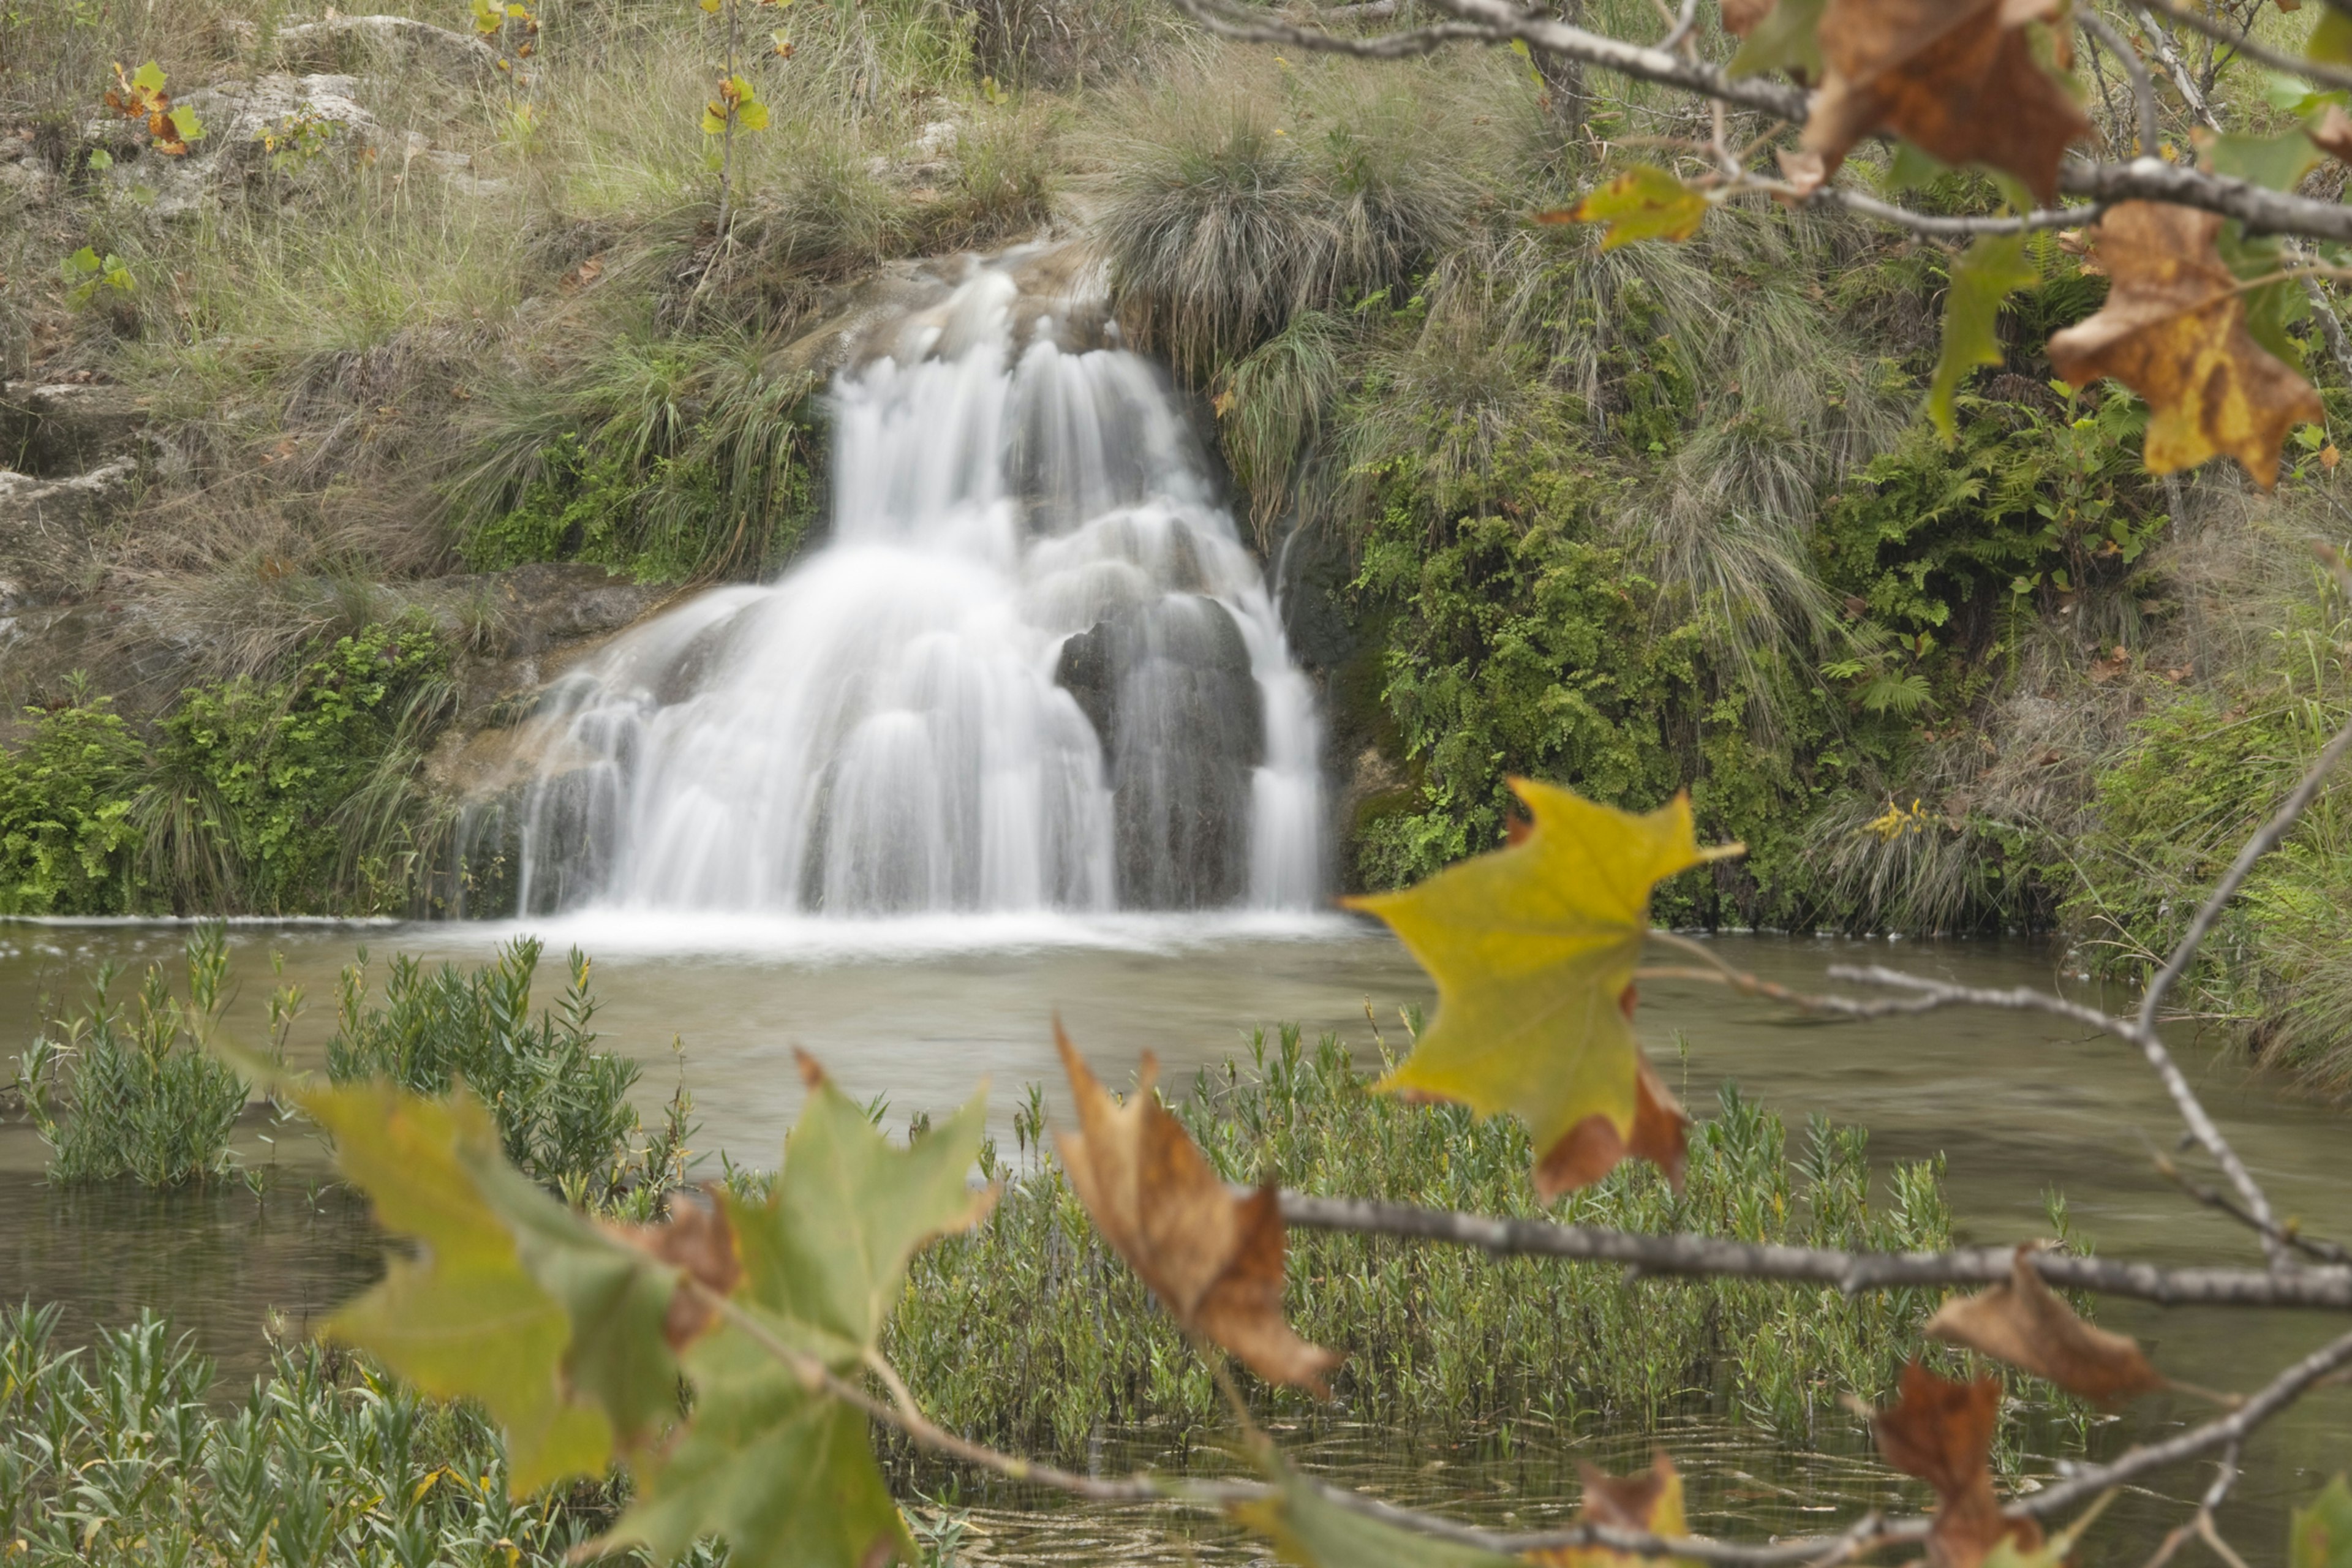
(1168, 690)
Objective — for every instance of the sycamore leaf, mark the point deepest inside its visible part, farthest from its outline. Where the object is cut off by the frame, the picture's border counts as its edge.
(696, 1239)
(1215, 1260)
(617, 1299)
(1960, 78)
(751, 116)
(1785, 38)
(1983, 277)
(1643, 203)
(2333, 133)
(1533, 948)
(784, 1472)
(828, 1250)
(2175, 331)
(1651, 1501)
(2320, 1536)
(1311, 1531)
(148, 78)
(1941, 1432)
(2022, 1322)
(788, 1476)
(1742, 17)
(2331, 39)
(466, 1320)
(2278, 161)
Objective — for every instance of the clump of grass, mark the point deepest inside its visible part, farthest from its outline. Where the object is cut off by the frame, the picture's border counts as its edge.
(141, 1095)
(112, 1457)
(1233, 209)
(1029, 1332)
(562, 1106)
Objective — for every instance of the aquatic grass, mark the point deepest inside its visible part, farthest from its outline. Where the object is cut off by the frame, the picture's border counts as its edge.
(139, 1092)
(562, 1106)
(114, 1455)
(1028, 1332)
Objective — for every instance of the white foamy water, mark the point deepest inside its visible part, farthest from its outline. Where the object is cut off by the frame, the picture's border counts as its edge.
(1032, 670)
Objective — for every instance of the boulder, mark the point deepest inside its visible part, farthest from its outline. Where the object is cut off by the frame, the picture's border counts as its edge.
(386, 46)
(67, 428)
(1169, 691)
(29, 505)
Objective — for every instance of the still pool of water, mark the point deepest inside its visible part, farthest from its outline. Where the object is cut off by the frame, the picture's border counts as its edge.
(922, 1012)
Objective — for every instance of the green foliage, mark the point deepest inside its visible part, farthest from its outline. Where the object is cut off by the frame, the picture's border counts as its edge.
(118, 1456)
(562, 1106)
(67, 845)
(1984, 275)
(784, 1472)
(286, 797)
(567, 1331)
(2321, 1535)
(1438, 1339)
(144, 1097)
(88, 274)
(668, 461)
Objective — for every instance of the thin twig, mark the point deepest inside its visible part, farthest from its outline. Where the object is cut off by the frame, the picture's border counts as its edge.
(2143, 89)
(1834, 1268)
(2277, 59)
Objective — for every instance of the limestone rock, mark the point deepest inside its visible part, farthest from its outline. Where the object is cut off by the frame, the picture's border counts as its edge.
(1170, 693)
(27, 503)
(386, 44)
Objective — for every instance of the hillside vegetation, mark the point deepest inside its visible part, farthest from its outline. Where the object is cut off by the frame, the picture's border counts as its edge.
(341, 409)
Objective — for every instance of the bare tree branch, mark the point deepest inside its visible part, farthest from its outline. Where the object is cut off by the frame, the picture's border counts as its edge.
(2143, 89)
(2277, 59)
(1834, 1268)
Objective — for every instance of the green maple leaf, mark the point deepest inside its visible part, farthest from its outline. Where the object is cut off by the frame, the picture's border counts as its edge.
(468, 1320)
(786, 1475)
(1311, 1531)
(1981, 278)
(2321, 1535)
(784, 1472)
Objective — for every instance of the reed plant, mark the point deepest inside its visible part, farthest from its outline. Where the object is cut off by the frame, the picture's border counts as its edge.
(1027, 1331)
(561, 1105)
(132, 1089)
(112, 1454)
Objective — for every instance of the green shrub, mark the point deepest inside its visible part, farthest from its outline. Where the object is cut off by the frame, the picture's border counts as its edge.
(562, 1106)
(143, 1095)
(1028, 1332)
(66, 844)
(302, 796)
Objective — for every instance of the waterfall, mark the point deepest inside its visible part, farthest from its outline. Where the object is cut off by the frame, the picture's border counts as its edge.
(1031, 667)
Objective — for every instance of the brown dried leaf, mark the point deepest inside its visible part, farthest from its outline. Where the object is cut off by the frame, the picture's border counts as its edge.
(2106, 668)
(1742, 17)
(2024, 1322)
(698, 1240)
(1214, 1259)
(1651, 1501)
(2174, 331)
(1941, 1432)
(2333, 135)
(1805, 171)
(1592, 1148)
(1960, 80)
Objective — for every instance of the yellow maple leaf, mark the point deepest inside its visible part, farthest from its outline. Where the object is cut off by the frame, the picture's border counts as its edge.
(1533, 948)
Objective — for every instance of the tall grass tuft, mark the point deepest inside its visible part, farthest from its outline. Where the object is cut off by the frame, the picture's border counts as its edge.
(1232, 210)
(141, 1094)
(562, 1106)
(1029, 1332)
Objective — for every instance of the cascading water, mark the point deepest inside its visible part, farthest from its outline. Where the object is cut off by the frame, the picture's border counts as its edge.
(1031, 668)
